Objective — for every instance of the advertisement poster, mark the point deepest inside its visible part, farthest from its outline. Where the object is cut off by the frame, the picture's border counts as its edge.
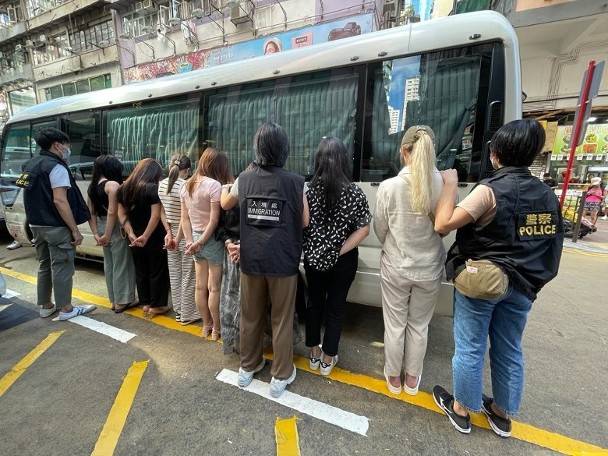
(280, 42)
(594, 146)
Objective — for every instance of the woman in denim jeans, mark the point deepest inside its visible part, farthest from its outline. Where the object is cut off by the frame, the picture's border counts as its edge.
(512, 220)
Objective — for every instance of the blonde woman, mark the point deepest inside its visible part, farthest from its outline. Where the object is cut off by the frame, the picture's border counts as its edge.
(412, 258)
(181, 266)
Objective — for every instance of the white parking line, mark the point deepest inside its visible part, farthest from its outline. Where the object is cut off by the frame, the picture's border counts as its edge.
(10, 294)
(328, 413)
(4, 306)
(103, 328)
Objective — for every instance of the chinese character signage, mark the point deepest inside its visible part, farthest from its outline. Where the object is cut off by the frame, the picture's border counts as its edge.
(594, 146)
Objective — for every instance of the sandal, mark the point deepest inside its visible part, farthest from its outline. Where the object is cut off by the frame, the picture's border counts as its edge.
(158, 310)
(215, 335)
(120, 308)
(207, 330)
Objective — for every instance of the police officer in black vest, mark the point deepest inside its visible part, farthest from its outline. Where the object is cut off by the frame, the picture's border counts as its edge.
(508, 246)
(54, 208)
(274, 212)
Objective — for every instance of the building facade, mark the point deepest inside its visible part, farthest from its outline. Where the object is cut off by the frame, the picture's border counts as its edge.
(55, 48)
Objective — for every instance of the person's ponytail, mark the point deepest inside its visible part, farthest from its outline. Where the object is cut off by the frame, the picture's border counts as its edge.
(422, 166)
(178, 163)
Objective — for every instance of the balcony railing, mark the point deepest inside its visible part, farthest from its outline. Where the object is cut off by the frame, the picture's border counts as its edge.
(12, 30)
(20, 73)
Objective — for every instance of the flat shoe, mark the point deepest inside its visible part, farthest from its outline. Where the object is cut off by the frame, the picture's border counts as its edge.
(412, 391)
(120, 308)
(393, 389)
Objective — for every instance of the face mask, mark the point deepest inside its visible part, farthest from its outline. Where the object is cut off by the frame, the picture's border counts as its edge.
(66, 153)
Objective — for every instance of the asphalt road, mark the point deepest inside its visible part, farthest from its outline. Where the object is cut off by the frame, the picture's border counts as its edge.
(60, 403)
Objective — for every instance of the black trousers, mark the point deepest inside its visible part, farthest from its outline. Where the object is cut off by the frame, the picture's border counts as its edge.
(327, 291)
(151, 275)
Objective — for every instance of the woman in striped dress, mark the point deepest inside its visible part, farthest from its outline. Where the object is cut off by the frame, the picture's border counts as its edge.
(181, 267)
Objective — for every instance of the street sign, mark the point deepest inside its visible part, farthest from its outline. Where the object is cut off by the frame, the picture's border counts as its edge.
(584, 106)
(589, 90)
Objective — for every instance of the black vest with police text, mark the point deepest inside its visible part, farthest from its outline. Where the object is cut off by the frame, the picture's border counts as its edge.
(525, 237)
(38, 193)
(270, 200)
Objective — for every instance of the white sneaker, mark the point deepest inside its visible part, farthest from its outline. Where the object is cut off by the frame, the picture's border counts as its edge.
(605, 217)
(245, 377)
(76, 311)
(412, 391)
(313, 362)
(326, 368)
(13, 245)
(45, 313)
(278, 386)
(393, 389)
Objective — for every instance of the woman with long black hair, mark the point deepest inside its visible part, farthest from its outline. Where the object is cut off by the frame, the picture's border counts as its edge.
(339, 222)
(139, 211)
(117, 260)
(181, 266)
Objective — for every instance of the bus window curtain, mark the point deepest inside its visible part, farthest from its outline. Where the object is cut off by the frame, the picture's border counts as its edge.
(307, 110)
(311, 110)
(449, 85)
(157, 131)
(233, 119)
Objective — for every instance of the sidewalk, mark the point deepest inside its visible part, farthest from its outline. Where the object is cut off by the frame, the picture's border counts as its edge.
(594, 242)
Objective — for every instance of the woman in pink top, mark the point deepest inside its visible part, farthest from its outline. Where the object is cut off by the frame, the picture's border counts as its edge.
(593, 199)
(199, 219)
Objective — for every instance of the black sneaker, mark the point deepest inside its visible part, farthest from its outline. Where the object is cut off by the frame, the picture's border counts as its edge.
(501, 426)
(445, 401)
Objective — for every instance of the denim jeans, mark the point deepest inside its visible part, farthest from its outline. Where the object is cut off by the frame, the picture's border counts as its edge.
(503, 320)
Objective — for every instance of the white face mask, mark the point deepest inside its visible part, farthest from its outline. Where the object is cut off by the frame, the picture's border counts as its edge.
(66, 153)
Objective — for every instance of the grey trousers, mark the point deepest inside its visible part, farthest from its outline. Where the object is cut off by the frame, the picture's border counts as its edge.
(407, 309)
(55, 254)
(118, 266)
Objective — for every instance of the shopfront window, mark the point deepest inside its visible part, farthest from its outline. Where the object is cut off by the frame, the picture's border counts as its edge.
(21, 99)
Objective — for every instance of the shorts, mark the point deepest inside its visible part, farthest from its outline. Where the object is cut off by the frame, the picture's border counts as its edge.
(592, 205)
(212, 251)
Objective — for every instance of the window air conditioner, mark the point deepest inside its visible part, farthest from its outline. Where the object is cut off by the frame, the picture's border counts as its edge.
(240, 13)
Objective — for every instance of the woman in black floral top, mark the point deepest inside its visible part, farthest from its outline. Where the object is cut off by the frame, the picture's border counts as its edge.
(339, 221)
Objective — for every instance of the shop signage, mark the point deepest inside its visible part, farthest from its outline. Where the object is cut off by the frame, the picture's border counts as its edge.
(594, 144)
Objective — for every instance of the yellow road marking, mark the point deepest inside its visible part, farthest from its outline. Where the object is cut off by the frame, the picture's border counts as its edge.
(286, 435)
(108, 438)
(18, 369)
(585, 253)
(521, 431)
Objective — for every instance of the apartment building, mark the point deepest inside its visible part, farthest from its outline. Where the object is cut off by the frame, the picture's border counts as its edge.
(54, 48)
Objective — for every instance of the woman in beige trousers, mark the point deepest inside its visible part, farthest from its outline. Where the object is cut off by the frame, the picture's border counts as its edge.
(411, 265)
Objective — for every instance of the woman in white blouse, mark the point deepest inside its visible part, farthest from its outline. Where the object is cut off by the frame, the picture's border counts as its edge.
(412, 259)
